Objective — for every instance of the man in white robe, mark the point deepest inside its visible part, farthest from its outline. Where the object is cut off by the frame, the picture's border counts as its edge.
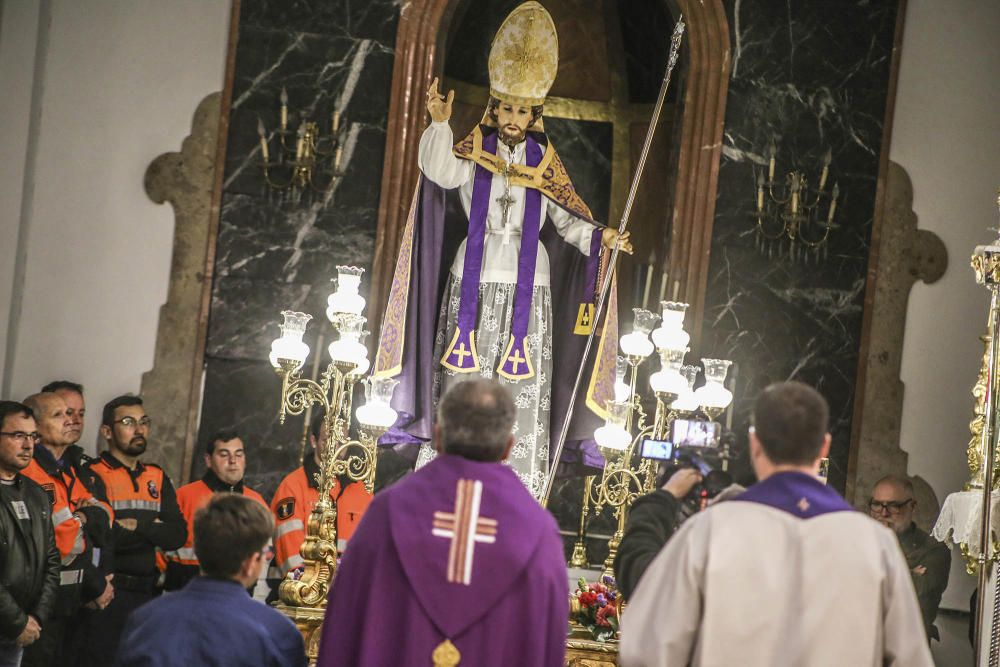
(785, 574)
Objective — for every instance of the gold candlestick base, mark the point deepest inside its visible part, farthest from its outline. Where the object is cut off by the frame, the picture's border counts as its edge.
(579, 557)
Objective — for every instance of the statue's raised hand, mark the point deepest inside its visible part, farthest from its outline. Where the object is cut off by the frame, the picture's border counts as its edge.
(438, 106)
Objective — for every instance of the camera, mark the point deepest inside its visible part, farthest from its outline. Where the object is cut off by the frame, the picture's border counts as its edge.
(692, 444)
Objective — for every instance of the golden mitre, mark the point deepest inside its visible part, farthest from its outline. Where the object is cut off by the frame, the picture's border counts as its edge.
(524, 56)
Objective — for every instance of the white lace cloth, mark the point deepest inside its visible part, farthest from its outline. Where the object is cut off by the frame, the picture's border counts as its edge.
(960, 518)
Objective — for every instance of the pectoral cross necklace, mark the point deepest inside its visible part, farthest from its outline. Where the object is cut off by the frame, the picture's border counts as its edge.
(506, 201)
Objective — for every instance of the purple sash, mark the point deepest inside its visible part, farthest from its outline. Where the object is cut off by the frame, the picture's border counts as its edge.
(461, 355)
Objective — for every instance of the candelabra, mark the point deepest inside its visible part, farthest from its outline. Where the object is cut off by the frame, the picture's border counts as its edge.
(789, 218)
(312, 153)
(627, 472)
(340, 455)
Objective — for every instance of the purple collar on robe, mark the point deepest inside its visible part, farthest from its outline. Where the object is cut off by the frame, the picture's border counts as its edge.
(423, 524)
(797, 493)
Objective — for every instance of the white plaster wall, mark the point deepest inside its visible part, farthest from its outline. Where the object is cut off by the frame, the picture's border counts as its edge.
(122, 80)
(947, 136)
(18, 35)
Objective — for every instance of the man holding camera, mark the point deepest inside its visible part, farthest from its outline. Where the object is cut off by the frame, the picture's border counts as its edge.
(786, 573)
(652, 519)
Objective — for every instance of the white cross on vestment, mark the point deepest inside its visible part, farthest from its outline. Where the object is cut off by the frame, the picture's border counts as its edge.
(464, 527)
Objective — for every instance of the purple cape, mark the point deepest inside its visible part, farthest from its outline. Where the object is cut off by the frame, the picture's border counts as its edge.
(438, 227)
(796, 493)
(503, 599)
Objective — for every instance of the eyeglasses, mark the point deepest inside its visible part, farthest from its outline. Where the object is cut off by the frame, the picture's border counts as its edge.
(20, 436)
(892, 506)
(132, 422)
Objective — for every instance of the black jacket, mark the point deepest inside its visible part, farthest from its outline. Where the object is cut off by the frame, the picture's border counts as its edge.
(651, 521)
(29, 562)
(153, 504)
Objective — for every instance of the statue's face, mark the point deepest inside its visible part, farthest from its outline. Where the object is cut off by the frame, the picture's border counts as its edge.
(513, 121)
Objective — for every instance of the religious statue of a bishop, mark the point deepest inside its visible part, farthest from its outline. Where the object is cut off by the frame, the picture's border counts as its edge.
(519, 299)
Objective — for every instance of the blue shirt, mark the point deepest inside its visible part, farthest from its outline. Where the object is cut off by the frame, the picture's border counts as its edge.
(210, 623)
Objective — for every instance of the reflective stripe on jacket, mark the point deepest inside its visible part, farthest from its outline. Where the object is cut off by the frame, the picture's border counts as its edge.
(182, 564)
(295, 498)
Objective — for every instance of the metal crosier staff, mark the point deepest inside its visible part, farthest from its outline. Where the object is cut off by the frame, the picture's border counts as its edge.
(675, 43)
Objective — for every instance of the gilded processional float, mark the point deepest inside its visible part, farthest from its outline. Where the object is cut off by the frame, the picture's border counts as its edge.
(501, 317)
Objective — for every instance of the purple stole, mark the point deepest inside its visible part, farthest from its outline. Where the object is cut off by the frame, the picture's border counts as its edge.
(461, 355)
(796, 493)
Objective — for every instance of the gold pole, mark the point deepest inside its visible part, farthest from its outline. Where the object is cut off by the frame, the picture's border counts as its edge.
(579, 557)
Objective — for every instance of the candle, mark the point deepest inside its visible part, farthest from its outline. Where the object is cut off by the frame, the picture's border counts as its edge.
(760, 191)
(336, 157)
(826, 169)
(649, 282)
(299, 144)
(795, 193)
(677, 288)
(284, 108)
(336, 121)
(263, 139)
(771, 150)
(663, 286)
(833, 203)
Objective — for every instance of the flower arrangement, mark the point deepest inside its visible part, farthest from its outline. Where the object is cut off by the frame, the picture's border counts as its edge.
(594, 606)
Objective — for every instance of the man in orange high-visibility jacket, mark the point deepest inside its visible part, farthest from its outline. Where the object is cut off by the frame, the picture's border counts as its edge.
(147, 518)
(82, 524)
(225, 458)
(296, 497)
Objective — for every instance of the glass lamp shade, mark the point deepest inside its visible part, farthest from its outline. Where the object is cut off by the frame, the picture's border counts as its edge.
(613, 435)
(346, 299)
(713, 395)
(645, 320)
(349, 347)
(668, 382)
(622, 390)
(376, 411)
(670, 334)
(289, 346)
(687, 402)
(716, 369)
(636, 344)
(349, 351)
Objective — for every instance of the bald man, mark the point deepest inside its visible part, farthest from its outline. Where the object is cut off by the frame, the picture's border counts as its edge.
(82, 526)
(892, 504)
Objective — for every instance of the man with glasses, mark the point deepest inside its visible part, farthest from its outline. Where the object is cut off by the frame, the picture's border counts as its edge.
(892, 504)
(29, 566)
(226, 462)
(147, 518)
(82, 529)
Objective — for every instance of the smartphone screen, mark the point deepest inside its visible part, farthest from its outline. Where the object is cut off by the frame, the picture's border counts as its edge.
(661, 450)
(692, 433)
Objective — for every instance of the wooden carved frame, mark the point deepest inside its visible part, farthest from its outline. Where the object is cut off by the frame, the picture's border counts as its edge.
(423, 27)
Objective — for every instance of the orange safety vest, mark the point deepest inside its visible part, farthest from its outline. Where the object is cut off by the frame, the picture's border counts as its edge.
(295, 498)
(67, 494)
(191, 498)
(140, 498)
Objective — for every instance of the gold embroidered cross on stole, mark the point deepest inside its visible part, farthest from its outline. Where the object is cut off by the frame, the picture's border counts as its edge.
(464, 527)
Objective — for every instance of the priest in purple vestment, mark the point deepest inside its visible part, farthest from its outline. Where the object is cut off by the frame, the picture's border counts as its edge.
(456, 564)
